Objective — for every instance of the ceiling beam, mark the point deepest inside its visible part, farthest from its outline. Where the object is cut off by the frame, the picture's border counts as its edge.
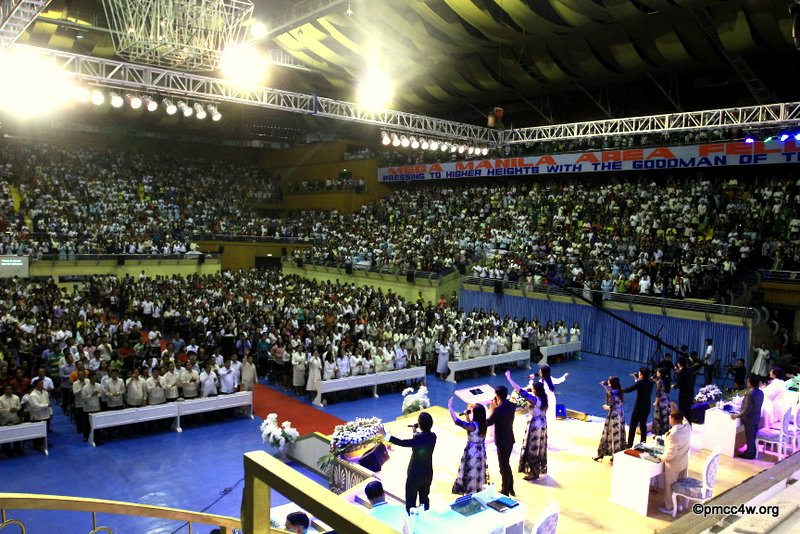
(16, 16)
(303, 12)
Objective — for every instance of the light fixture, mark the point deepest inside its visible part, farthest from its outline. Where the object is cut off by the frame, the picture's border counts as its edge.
(444, 147)
(98, 97)
(484, 151)
(199, 112)
(404, 141)
(116, 100)
(349, 11)
(385, 139)
(453, 148)
(149, 103)
(783, 137)
(170, 108)
(395, 140)
(434, 144)
(375, 89)
(423, 143)
(134, 101)
(185, 108)
(749, 139)
(214, 112)
(243, 65)
(471, 150)
(461, 149)
(414, 143)
(797, 137)
(258, 30)
(83, 95)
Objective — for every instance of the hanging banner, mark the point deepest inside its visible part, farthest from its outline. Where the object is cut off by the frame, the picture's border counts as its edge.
(632, 159)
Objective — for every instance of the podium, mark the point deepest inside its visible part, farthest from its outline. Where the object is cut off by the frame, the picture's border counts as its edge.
(482, 395)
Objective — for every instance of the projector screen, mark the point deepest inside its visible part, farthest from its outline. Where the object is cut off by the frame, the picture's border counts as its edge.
(14, 266)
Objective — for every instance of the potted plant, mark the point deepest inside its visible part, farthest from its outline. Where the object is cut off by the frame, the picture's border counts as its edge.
(277, 436)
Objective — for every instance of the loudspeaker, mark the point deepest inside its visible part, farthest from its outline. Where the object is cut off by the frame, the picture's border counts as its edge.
(561, 411)
(410, 276)
(498, 286)
(374, 459)
(201, 259)
(120, 261)
(348, 268)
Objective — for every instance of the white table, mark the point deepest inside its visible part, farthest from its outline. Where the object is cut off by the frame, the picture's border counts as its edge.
(561, 348)
(443, 519)
(482, 395)
(371, 380)
(720, 429)
(487, 361)
(24, 431)
(240, 399)
(630, 481)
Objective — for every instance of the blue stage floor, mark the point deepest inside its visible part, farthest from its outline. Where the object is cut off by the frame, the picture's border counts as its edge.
(192, 469)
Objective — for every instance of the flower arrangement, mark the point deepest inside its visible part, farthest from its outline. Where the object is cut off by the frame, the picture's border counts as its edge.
(414, 402)
(521, 402)
(708, 394)
(278, 435)
(351, 436)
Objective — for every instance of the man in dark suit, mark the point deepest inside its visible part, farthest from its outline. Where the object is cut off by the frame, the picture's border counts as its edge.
(750, 416)
(503, 420)
(684, 382)
(641, 410)
(420, 467)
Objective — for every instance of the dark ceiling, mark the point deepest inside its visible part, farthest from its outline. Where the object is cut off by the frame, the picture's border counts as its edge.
(544, 61)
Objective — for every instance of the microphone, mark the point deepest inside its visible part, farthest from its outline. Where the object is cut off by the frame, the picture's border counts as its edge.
(414, 426)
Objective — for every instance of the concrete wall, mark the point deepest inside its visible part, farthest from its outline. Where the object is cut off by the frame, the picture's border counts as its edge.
(166, 267)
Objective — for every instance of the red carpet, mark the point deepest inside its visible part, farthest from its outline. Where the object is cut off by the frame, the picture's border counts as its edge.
(304, 417)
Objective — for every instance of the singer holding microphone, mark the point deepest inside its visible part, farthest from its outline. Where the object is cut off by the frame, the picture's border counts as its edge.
(473, 470)
(420, 467)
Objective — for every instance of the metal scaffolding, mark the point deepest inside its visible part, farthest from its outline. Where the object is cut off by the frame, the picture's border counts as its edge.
(16, 16)
(121, 75)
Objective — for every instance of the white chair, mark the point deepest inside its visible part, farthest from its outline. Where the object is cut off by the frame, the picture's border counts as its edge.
(547, 522)
(794, 430)
(780, 438)
(696, 490)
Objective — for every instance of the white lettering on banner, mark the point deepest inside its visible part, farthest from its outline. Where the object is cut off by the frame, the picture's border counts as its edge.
(674, 157)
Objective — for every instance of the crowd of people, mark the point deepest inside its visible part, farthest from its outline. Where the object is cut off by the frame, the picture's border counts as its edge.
(328, 185)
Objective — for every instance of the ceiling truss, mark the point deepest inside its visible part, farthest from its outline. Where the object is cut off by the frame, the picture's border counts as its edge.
(16, 16)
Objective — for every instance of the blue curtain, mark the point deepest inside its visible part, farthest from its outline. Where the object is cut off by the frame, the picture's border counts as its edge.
(603, 334)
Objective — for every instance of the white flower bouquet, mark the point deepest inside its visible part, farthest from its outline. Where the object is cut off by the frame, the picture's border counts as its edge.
(414, 402)
(520, 401)
(708, 394)
(278, 435)
(351, 436)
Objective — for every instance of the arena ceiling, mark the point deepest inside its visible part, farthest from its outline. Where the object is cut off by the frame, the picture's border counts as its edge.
(544, 61)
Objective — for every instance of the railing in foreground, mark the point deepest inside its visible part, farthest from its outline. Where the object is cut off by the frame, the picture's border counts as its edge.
(703, 306)
(30, 501)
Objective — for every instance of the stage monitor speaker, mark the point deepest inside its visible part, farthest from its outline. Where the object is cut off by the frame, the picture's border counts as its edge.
(561, 411)
(120, 261)
(410, 276)
(498, 286)
(374, 459)
(348, 268)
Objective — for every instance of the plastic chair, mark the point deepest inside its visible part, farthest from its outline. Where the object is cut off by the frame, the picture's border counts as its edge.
(696, 490)
(547, 522)
(780, 438)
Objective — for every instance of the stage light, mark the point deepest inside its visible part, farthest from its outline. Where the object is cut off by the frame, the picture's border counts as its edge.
(375, 90)
(471, 150)
(797, 137)
(185, 108)
(116, 101)
(444, 147)
(769, 138)
(484, 151)
(434, 144)
(258, 30)
(414, 143)
(243, 65)
(461, 149)
(214, 112)
(134, 101)
(385, 139)
(749, 139)
(98, 98)
(32, 86)
(424, 144)
(783, 137)
(404, 141)
(83, 95)
(395, 140)
(199, 112)
(453, 148)
(149, 103)
(169, 107)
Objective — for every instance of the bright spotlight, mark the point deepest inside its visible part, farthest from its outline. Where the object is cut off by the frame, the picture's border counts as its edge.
(385, 139)
(199, 112)
(395, 140)
(444, 147)
(749, 139)
(453, 148)
(134, 101)
(404, 142)
(414, 143)
(169, 107)
(243, 65)
(783, 137)
(149, 103)
(471, 150)
(424, 144)
(434, 145)
(116, 100)
(258, 30)
(185, 108)
(32, 86)
(375, 90)
(461, 149)
(484, 151)
(98, 97)
(214, 112)
(797, 137)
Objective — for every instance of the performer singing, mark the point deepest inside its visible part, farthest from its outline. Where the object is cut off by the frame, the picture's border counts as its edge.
(473, 470)
(613, 438)
(661, 405)
(533, 457)
(503, 419)
(550, 390)
(420, 467)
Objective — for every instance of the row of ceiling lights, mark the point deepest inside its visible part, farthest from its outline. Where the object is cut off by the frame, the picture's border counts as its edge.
(405, 141)
(98, 98)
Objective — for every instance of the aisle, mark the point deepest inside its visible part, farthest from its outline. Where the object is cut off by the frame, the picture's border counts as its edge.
(303, 416)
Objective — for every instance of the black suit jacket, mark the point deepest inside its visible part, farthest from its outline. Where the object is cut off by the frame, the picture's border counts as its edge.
(751, 406)
(503, 420)
(420, 467)
(684, 381)
(644, 391)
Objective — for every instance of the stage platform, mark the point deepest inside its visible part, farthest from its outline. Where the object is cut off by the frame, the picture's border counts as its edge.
(579, 485)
